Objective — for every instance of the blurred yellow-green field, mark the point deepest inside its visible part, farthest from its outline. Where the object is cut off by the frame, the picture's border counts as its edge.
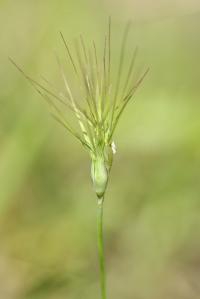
(152, 205)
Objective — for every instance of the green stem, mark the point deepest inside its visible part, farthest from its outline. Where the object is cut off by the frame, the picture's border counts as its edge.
(101, 248)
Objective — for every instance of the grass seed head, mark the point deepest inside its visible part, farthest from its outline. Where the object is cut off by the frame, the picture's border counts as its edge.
(103, 100)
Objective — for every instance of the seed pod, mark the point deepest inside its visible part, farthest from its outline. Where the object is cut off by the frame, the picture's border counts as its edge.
(99, 176)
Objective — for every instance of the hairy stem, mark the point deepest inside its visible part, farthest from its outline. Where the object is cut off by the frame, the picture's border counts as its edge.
(101, 248)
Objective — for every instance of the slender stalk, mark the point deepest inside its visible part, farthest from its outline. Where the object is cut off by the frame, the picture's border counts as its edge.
(101, 248)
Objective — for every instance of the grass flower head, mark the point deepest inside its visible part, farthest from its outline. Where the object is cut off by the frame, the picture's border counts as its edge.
(102, 104)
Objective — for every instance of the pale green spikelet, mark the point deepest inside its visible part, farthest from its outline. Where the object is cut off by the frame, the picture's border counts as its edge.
(103, 100)
(99, 174)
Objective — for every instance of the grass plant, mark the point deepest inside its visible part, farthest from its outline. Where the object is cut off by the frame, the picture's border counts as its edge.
(103, 100)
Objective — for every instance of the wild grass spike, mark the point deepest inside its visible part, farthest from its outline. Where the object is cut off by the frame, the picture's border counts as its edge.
(104, 101)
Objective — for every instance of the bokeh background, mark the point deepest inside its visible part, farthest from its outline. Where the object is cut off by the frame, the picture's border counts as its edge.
(152, 207)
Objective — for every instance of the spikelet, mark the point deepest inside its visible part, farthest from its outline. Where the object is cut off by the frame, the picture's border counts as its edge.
(103, 101)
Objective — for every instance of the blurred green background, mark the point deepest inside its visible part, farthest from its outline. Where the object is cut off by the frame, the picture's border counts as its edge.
(152, 208)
